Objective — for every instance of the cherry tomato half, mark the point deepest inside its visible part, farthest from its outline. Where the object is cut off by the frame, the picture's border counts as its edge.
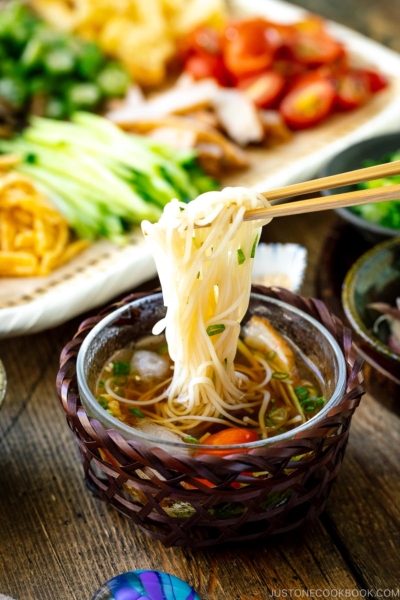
(353, 90)
(377, 81)
(246, 48)
(308, 104)
(316, 49)
(228, 437)
(202, 40)
(264, 89)
(205, 66)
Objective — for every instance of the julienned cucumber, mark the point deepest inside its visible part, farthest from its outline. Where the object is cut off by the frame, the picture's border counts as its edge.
(102, 179)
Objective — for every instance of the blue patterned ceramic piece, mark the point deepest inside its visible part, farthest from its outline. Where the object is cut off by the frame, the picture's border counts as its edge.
(146, 585)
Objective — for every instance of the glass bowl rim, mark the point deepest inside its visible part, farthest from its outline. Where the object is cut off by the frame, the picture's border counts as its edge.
(113, 421)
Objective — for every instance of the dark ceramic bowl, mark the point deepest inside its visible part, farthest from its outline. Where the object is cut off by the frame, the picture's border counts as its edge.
(375, 277)
(353, 158)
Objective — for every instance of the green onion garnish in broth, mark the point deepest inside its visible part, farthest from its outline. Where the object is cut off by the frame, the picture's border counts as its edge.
(102, 401)
(122, 368)
(280, 375)
(191, 440)
(135, 411)
(302, 393)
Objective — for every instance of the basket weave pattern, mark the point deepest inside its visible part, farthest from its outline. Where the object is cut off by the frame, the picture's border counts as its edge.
(162, 494)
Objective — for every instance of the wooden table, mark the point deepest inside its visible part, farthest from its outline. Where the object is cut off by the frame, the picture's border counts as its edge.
(59, 543)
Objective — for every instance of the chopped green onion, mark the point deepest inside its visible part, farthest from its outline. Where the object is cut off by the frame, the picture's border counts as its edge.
(215, 329)
(120, 392)
(310, 408)
(320, 401)
(110, 412)
(101, 384)
(102, 401)
(272, 400)
(270, 355)
(120, 379)
(254, 248)
(280, 375)
(136, 412)
(191, 440)
(241, 256)
(122, 368)
(302, 393)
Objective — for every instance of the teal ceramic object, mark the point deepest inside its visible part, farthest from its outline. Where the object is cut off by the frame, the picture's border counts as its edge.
(375, 277)
(146, 585)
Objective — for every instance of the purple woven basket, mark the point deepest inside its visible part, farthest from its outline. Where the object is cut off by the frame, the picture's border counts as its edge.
(161, 493)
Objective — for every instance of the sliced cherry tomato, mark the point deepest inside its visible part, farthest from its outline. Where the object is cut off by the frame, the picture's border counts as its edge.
(308, 104)
(204, 66)
(228, 437)
(377, 81)
(316, 49)
(288, 67)
(246, 48)
(353, 90)
(264, 90)
(202, 40)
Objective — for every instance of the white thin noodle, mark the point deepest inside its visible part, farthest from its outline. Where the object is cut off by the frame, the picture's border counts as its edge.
(204, 285)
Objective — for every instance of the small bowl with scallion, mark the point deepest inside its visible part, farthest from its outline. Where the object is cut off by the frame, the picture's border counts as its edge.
(379, 221)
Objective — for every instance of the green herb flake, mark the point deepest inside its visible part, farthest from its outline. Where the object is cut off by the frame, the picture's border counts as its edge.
(254, 248)
(110, 412)
(198, 275)
(241, 256)
(215, 329)
(102, 401)
(270, 355)
(122, 368)
(100, 384)
(191, 440)
(135, 411)
(280, 375)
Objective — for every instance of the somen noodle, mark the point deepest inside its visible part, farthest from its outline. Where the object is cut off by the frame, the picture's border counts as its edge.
(205, 376)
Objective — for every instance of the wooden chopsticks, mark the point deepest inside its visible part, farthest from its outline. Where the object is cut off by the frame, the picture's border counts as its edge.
(378, 194)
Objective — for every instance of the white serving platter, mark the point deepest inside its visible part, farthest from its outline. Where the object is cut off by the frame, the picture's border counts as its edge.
(105, 271)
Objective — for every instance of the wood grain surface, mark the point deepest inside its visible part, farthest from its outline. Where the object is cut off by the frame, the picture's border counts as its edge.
(57, 542)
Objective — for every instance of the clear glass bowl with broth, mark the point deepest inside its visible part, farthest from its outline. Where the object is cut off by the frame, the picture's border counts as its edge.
(318, 357)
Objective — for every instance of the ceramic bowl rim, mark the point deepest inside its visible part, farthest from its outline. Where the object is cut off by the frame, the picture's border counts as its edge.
(348, 291)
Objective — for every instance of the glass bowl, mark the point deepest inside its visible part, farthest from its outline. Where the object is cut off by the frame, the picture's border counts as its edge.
(310, 341)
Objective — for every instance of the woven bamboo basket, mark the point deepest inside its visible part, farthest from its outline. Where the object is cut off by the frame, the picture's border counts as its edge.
(161, 492)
